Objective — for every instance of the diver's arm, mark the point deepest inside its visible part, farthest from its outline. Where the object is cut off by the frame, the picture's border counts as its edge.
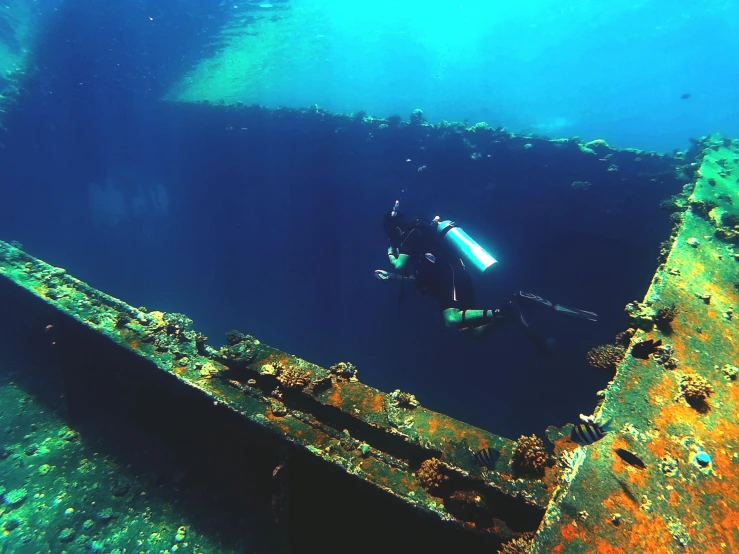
(400, 263)
(397, 260)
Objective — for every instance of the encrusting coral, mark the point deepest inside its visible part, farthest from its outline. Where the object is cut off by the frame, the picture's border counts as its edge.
(292, 377)
(695, 389)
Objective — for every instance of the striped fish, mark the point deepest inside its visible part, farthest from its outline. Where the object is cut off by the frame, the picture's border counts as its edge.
(487, 457)
(588, 432)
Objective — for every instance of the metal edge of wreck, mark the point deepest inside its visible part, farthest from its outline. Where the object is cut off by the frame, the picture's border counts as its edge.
(673, 400)
(423, 458)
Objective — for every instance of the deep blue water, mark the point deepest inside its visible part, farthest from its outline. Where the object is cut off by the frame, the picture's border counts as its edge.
(277, 231)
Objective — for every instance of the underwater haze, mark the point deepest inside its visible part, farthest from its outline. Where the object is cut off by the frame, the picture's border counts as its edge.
(611, 70)
(232, 161)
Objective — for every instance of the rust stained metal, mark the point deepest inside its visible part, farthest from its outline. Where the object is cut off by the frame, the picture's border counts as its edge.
(686, 499)
(380, 438)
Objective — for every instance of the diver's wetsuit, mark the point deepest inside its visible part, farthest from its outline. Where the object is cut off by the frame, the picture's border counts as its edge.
(438, 272)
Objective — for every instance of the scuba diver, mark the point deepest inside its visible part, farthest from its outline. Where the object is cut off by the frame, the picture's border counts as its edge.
(434, 256)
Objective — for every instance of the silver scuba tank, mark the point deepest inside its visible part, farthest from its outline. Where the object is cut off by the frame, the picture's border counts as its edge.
(465, 246)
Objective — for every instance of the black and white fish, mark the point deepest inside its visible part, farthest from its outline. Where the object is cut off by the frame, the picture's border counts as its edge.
(487, 457)
(589, 432)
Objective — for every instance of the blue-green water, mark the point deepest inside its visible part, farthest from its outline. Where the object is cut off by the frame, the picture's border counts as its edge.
(615, 71)
(128, 158)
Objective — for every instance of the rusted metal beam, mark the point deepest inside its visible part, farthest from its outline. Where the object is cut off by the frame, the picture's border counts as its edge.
(385, 440)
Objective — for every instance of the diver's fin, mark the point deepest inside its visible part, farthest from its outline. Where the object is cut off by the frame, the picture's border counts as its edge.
(518, 314)
(540, 343)
(535, 298)
(583, 314)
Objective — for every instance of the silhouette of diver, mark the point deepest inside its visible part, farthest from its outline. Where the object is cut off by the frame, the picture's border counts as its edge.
(434, 255)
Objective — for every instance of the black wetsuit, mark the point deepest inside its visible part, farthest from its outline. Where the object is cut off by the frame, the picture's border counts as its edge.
(438, 271)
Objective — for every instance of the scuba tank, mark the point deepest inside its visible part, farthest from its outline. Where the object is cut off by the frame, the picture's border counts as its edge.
(447, 232)
(464, 245)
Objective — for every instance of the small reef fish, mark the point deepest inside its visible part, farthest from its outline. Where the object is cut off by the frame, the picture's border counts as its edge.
(685, 96)
(487, 457)
(630, 458)
(589, 432)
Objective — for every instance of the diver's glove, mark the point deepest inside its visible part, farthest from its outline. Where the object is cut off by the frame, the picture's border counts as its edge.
(383, 275)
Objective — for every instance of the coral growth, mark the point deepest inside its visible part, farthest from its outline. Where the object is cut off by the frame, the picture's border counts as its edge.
(15, 497)
(520, 545)
(268, 370)
(292, 377)
(417, 117)
(624, 337)
(66, 535)
(641, 316)
(703, 207)
(665, 316)
(432, 474)
(530, 456)
(664, 251)
(344, 370)
(235, 337)
(730, 373)
(664, 357)
(695, 389)
(200, 340)
(727, 235)
(404, 399)
(676, 203)
(467, 505)
(606, 356)
(241, 349)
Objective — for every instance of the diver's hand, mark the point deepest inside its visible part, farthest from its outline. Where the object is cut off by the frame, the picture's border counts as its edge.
(383, 275)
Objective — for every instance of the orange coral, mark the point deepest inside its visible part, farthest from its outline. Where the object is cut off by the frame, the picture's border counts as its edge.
(292, 377)
(432, 474)
(606, 356)
(530, 456)
(517, 546)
